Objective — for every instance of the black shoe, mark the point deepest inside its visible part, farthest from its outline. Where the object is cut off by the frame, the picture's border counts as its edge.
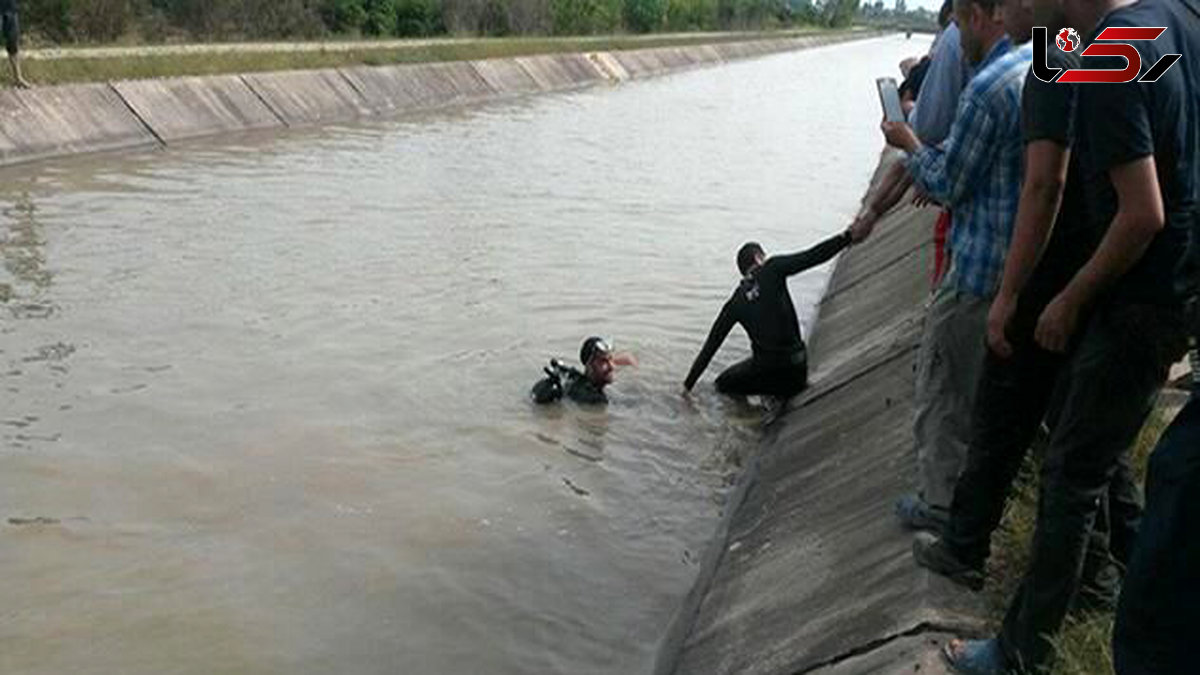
(935, 556)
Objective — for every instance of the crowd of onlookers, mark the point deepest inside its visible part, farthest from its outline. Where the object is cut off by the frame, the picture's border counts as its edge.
(1063, 292)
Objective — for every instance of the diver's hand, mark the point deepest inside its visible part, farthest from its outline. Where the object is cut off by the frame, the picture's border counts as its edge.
(862, 226)
(625, 360)
(864, 223)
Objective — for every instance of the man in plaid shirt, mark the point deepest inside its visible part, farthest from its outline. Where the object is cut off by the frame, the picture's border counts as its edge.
(977, 175)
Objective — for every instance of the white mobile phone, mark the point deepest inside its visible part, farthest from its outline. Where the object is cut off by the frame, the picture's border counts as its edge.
(889, 98)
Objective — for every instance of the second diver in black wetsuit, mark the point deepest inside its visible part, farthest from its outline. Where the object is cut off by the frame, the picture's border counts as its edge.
(586, 386)
(763, 306)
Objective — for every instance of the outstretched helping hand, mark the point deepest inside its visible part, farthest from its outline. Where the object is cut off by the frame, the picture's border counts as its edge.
(863, 225)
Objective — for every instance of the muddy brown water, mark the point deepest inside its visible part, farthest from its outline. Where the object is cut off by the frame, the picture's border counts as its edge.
(262, 400)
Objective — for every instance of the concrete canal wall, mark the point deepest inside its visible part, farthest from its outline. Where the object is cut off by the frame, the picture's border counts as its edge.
(57, 121)
(811, 572)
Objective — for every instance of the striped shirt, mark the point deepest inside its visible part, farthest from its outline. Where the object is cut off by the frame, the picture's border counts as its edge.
(977, 171)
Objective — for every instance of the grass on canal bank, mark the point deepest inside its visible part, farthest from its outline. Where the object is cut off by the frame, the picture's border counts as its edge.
(151, 63)
(1084, 645)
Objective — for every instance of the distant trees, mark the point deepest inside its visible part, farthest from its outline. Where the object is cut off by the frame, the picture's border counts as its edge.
(839, 13)
(99, 21)
(875, 14)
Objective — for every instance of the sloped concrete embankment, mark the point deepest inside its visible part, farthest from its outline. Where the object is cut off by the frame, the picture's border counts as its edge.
(812, 574)
(56, 121)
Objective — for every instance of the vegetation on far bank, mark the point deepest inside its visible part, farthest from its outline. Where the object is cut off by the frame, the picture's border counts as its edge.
(151, 64)
(505, 28)
(64, 22)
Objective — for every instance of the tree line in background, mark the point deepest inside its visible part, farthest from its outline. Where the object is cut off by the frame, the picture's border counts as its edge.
(100, 21)
(899, 17)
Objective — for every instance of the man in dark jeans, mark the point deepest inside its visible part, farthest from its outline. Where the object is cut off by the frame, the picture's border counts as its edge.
(10, 26)
(1136, 144)
(763, 306)
(1019, 377)
(1159, 612)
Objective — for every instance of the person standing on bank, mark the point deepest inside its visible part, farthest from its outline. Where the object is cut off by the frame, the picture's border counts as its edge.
(1137, 148)
(977, 175)
(10, 26)
(763, 306)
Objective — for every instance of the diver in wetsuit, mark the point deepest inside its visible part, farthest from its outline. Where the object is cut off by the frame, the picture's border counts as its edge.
(586, 386)
(762, 305)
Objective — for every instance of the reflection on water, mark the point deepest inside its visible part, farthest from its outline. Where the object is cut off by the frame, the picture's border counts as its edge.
(262, 401)
(25, 261)
(25, 294)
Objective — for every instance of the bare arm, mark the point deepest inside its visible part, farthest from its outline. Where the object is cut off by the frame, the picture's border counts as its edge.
(891, 190)
(1140, 217)
(1045, 177)
(1046, 163)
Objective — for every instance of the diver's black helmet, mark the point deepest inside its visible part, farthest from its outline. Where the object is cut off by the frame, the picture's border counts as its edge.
(591, 347)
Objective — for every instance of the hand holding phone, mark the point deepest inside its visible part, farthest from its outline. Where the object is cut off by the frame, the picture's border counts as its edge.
(889, 98)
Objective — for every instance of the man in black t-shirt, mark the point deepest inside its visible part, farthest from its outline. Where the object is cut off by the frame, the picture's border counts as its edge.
(10, 27)
(763, 306)
(1118, 319)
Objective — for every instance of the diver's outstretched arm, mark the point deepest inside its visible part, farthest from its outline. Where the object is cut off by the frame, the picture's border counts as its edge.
(716, 336)
(821, 253)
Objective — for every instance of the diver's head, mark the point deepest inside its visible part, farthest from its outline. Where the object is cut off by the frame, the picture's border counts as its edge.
(750, 257)
(597, 360)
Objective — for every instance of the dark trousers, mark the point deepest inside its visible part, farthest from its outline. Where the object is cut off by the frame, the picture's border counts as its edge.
(1111, 382)
(752, 377)
(1014, 396)
(1158, 619)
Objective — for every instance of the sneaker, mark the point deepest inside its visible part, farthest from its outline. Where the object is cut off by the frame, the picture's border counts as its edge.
(915, 514)
(975, 657)
(932, 554)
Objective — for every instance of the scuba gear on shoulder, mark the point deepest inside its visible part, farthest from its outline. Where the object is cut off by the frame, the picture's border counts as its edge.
(550, 388)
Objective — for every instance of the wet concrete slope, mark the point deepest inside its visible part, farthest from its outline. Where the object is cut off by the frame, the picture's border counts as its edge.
(813, 574)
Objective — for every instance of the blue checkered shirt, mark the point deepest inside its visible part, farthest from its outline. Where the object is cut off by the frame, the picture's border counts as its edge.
(977, 171)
